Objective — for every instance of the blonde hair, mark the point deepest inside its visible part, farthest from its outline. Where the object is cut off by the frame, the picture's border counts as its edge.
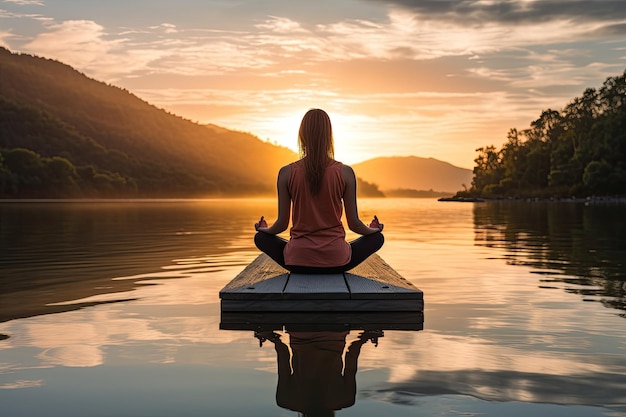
(315, 143)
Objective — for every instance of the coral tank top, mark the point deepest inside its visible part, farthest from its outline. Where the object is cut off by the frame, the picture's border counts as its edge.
(318, 238)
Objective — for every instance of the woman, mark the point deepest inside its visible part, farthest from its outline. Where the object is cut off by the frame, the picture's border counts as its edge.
(318, 188)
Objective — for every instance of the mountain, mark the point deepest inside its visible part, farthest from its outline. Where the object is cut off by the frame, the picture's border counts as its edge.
(64, 134)
(413, 173)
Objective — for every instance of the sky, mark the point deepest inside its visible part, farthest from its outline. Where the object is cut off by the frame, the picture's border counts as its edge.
(425, 78)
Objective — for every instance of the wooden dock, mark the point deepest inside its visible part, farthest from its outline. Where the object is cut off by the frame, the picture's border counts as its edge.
(372, 287)
(323, 321)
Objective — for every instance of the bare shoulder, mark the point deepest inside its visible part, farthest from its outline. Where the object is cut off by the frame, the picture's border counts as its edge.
(284, 171)
(346, 169)
(347, 173)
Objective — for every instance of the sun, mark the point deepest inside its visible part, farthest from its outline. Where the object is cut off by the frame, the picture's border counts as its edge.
(352, 133)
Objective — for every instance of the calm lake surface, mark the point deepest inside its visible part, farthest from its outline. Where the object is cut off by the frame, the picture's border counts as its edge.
(112, 309)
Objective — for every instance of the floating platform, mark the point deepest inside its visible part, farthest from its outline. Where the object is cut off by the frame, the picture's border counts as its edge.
(372, 296)
(373, 286)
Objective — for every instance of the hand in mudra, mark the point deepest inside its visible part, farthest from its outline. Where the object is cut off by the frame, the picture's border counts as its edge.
(375, 224)
(261, 223)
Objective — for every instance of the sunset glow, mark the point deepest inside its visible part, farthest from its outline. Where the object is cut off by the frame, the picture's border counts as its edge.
(431, 79)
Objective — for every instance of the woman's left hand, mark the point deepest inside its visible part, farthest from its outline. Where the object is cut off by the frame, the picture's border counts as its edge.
(261, 223)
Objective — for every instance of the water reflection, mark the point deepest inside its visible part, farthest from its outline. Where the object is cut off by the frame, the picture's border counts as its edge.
(316, 365)
(58, 251)
(575, 247)
(584, 389)
(315, 378)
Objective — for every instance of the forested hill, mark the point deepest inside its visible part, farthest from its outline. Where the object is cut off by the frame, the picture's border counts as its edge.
(579, 151)
(63, 134)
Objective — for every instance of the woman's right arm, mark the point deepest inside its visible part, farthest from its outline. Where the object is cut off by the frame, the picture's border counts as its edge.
(349, 201)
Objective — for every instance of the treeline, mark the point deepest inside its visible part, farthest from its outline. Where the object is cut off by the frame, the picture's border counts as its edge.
(25, 173)
(579, 151)
(410, 193)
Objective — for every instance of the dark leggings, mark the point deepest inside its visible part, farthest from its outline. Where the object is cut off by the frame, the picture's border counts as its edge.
(362, 247)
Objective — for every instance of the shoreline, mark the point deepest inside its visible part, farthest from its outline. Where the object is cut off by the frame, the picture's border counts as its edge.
(583, 200)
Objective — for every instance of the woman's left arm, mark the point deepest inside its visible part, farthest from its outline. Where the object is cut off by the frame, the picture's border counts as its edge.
(284, 205)
(349, 201)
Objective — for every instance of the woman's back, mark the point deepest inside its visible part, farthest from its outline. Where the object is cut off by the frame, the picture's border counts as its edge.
(317, 233)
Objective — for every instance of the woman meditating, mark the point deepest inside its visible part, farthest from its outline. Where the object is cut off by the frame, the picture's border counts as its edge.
(318, 188)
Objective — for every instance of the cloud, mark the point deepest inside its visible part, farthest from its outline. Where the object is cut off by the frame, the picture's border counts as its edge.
(423, 31)
(418, 34)
(77, 42)
(162, 49)
(86, 46)
(5, 14)
(471, 12)
(26, 2)
(168, 28)
(617, 29)
(284, 25)
(3, 36)
(23, 383)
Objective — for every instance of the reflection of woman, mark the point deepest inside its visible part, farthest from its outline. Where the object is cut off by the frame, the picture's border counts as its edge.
(319, 188)
(311, 380)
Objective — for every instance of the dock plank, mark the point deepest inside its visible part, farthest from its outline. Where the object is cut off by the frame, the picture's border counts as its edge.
(262, 279)
(329, 305)
(376, 269)
(367, 288)
(316, 286)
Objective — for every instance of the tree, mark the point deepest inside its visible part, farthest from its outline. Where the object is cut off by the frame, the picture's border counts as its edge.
(512, 161)
(60, 176)
(488, 171)
(26, 168)
(6, 178)
(597, 176)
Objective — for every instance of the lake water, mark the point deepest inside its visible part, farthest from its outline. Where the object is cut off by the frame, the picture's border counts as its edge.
(112, 309)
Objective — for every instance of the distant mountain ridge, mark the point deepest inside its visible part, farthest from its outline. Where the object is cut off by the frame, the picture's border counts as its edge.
(413, 173)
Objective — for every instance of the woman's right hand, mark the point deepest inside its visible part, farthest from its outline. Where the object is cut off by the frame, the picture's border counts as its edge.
(375, 224)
